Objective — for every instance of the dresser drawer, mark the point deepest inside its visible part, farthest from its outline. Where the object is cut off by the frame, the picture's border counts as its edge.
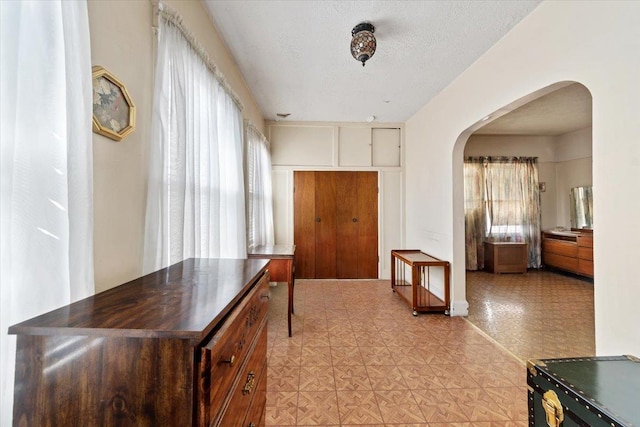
(223, 356)
(257, 412)
(585, 267)
(559, 261)
(585, 241)
(585, 253)
(250, 389)
(558, 247)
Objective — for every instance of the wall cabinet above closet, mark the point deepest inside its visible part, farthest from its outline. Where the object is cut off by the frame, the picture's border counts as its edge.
(369, 146)
(348, 146)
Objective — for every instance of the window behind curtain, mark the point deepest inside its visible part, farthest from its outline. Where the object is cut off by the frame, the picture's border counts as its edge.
(259, 191)
(196, 200)
(46, 167)
(502, 203)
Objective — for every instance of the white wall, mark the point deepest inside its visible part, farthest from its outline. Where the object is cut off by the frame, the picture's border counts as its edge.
(573, 169)
(593, 43)
(123, 42)
(569, 174)
(341, 147)
(540, 146)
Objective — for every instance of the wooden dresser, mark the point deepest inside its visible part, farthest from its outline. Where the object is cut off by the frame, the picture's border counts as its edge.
(569, 250)
(184, 346)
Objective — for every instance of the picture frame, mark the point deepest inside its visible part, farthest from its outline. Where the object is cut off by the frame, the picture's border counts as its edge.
(114, 113)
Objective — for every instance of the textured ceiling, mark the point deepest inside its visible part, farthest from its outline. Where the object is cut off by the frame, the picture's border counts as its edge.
(295, 58)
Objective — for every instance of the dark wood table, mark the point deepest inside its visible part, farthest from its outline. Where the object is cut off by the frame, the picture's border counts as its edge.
(281, 268)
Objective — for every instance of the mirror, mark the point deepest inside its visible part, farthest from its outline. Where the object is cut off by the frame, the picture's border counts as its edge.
(581, 201)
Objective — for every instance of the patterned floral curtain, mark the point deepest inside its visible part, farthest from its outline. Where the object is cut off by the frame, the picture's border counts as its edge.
(474, 213)
(502, 204)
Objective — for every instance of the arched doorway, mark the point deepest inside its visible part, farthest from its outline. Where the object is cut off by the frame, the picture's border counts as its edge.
(518, 311)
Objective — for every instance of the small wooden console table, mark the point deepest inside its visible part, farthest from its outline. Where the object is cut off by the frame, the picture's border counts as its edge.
(418, 289)
(281, 268)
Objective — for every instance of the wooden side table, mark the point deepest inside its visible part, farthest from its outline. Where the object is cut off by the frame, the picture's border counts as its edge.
(281, 268)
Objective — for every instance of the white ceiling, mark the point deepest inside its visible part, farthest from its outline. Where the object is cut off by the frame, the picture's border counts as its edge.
(295, 58)
(559, 112)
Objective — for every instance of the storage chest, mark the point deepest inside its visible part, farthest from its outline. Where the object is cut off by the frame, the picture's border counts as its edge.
(596, 391)
(506, 257)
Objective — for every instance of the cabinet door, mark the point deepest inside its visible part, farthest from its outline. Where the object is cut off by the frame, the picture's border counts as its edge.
(304, 234)
(385, 144)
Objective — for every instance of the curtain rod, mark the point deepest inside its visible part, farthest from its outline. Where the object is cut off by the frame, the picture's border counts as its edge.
(250, 126)
(500, 158)
(172, 17)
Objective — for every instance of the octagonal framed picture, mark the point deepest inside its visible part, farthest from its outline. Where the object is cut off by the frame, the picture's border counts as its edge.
(114, 114)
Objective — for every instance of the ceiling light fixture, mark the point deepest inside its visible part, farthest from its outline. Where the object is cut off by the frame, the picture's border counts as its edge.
(363, 42)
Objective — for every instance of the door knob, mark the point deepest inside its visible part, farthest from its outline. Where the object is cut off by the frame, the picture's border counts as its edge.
(354, 219)
(318, 219)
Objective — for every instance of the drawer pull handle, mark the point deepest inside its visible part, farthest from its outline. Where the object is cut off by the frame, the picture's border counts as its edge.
(252, 425)
(266, 296)
(251, 379)
(230, 361)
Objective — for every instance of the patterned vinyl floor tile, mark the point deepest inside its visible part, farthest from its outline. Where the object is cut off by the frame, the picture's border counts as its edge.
(358, 357)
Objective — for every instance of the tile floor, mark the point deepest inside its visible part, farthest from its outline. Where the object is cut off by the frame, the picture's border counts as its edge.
(358, 357)
(537, 315)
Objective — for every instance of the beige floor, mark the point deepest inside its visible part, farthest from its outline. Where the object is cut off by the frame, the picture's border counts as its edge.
(358, 357)
(537, 315)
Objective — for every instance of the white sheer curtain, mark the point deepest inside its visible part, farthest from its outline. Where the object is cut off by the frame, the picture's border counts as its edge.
(259, 191)
(196, 202)
(46, 166)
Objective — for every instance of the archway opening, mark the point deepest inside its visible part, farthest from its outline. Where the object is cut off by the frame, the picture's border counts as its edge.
(517, 309)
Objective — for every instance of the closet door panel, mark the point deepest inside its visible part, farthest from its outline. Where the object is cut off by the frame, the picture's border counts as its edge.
(326, 236)
(336, 224)
(367, 242)
(304, 234)
(347, 219)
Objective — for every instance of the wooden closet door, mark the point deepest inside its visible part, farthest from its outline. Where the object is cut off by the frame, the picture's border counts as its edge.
(367, 208)
(304, 220)
(347, 253)
(326, 235)
(336, 225)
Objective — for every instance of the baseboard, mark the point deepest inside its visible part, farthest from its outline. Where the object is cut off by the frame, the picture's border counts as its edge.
(459, 308)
